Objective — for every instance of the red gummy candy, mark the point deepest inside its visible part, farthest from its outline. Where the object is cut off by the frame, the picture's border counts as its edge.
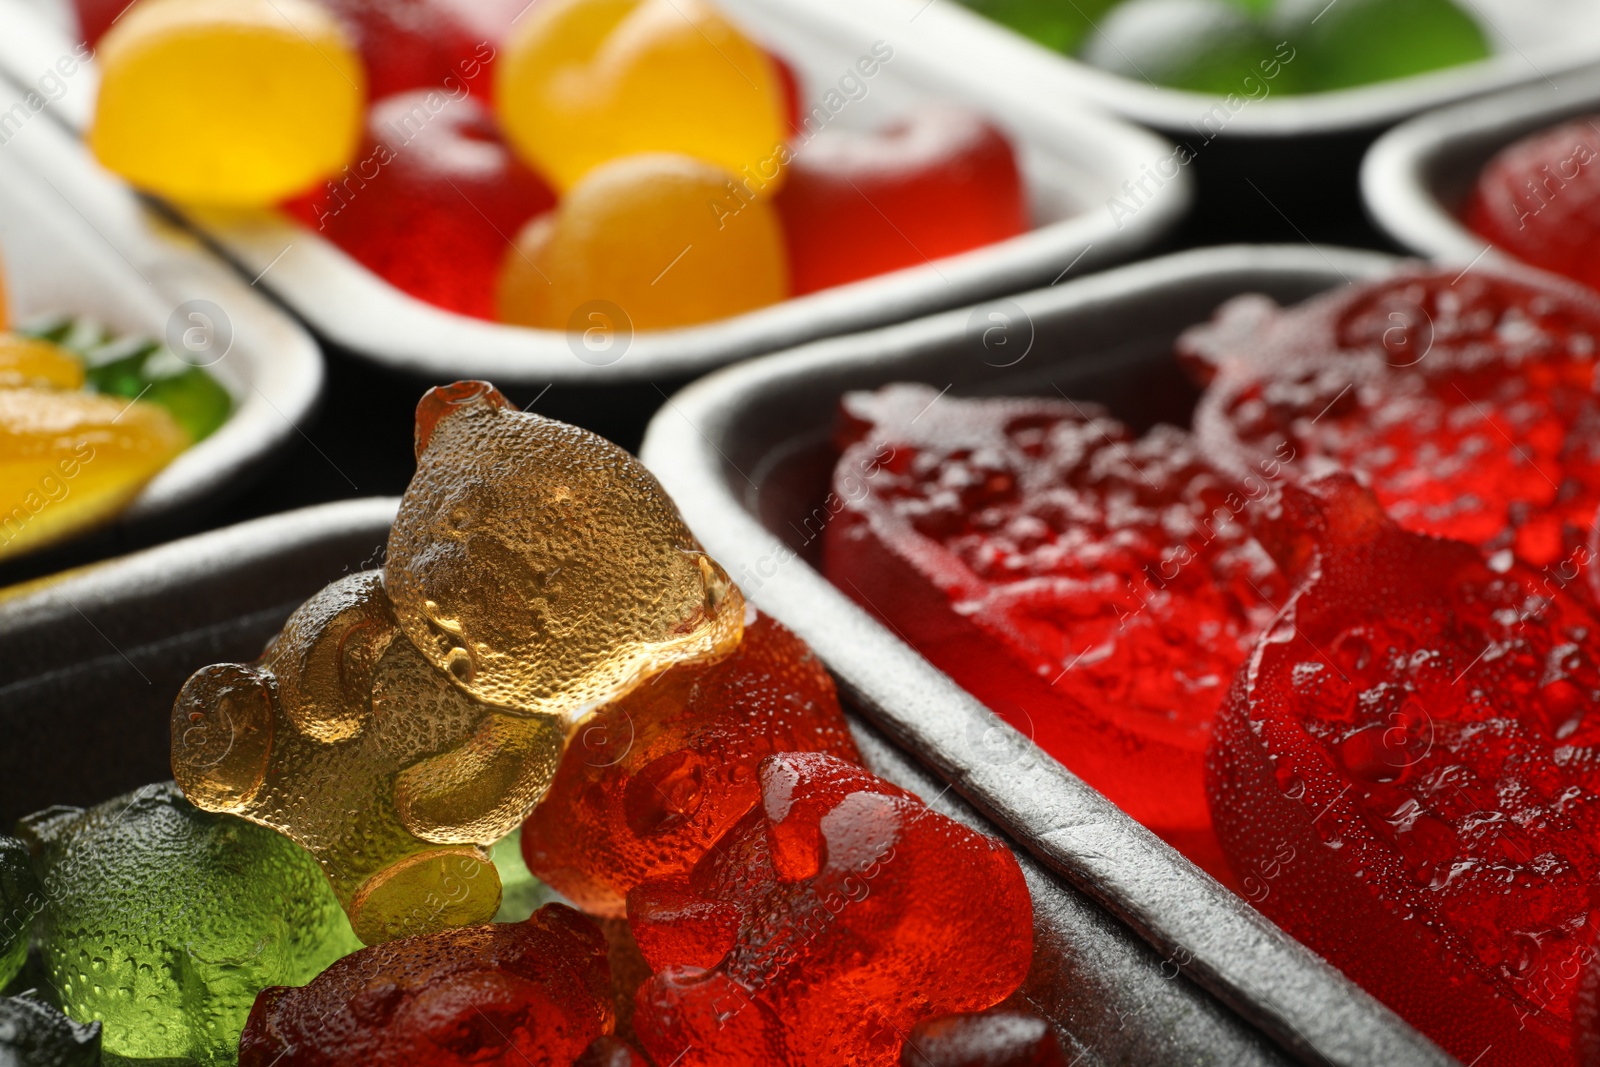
(654, 779)
(1095, 590)
(528, 994)
(1464, 400)
(855, 204)
(997, 1038)
(608, 1051)
(419, 44)
(1586, 1013)
(832, 918)
(1405, 774)
(1539, 199)
(432, 201)
(96, 16)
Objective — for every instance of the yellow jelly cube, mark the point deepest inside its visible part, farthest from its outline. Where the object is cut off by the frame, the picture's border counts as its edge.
(584, 81)
(29, 363)
(235, 103)
(71, 459)
(639, 235)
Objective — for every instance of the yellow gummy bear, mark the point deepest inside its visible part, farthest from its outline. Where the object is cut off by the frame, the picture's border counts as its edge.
(584, 81)
(71, 459)
(656, 236)
(395, 772)
(235, 103)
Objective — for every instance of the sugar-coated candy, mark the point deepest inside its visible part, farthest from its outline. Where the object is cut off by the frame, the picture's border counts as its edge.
(233, 103)
(1465, 400)
(655, 779)
(609, 1051)
(997, 1038)
(34, 1034)
(939, 181)
(417, 44)
(32, 363)
(1407, 777)
(652, 241)
(833, 917)
(432, 201)
(19, 902)
(69, 459)
(543, 568)
(163, 921)
(404, 721)
(581, 82)
(526, 994)
(1096, 590)
(1539, 199)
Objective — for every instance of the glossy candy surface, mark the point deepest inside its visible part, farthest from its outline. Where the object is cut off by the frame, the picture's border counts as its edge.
(1539, 199)
(655, 779)
(163, 921)
(997, 1038)
(527, 994)
(646, 242)
(233, 103)
(581, 82)
(19, 901)
(1466, 401)
(1096, 590)
(941, 181)
(1405, 774)
(417, 44)
(432, 201)
(832, 918)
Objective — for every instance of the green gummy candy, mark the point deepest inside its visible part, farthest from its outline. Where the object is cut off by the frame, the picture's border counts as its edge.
(20, 901)
(163, 922)
(33, 1034)
(1358, 42)
(1203, 46)
(1058, 24)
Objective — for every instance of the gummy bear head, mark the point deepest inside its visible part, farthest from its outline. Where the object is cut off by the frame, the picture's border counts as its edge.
(542, 567)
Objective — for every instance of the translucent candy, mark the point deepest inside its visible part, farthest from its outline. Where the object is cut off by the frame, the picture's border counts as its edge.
(1465, 400)
(997, 1038)
(347, 740)
(29, 363)
(397, 773)
(833, 917)
(19, 901)
(655, 240)
(532, 993)
(163, 922)
(33, 1034)
(418, 44)
(655, 779)
(609, 1051)
(580, 82)
(1096, 590)
(72, 459)
(543, 568)
(234, 103)
(1405, 774)
(941, 181)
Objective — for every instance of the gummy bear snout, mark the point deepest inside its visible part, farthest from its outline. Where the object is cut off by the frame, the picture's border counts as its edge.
(222, 735)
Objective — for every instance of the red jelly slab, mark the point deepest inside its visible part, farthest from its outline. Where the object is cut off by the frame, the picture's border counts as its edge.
(1096, 590)
(854, 204)
(1406, 771)
(1465, 400)
(829, 921)
(528, 994)
(420, 44)
(431, 202)
(1539, 199)
(996, 1038)
(654, 779)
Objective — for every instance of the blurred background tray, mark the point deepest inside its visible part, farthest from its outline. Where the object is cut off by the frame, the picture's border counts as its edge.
(747, 454)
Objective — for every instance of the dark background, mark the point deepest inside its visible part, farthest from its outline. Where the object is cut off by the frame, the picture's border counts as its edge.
(358, 441)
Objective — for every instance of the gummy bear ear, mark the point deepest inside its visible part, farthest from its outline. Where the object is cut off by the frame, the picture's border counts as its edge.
(444, 400)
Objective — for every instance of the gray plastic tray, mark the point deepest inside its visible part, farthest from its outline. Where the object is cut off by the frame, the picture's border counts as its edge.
(746, 454)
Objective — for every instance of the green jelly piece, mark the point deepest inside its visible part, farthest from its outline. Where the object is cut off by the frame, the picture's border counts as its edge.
(163, 922)
(33, 1034)
(521, 894)
(20, 901)
(1358, 42)
(1203, 46)
(1058, 24)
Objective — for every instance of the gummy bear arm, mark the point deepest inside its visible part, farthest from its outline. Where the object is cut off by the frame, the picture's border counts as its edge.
(481, 790)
